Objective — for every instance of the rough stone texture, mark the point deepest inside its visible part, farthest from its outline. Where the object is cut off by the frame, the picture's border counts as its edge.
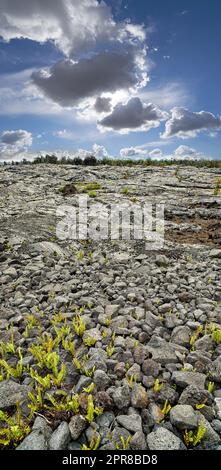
(162, 439)
(183, 417)
(183, 379)
(139, 397)
(11, 392)
(132, 422)
(77, 425)
(60, 437)
(141, 306)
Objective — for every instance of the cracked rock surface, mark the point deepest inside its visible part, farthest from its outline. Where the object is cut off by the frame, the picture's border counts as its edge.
(150, 352)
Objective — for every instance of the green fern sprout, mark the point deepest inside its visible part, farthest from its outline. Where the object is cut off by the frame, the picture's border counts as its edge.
(191, 439)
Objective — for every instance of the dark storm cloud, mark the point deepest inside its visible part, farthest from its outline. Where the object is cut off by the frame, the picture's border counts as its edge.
(69, 82)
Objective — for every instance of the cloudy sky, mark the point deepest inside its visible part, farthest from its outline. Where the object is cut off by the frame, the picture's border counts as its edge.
(129, 78)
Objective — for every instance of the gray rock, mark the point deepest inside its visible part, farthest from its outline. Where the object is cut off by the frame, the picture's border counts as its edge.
(106, 419)
(101, 379)
(132, 422)
(183, 417)
(60, 437)
(11, 392)
(214, 370)
(92, 334)
(192, 395)
(121, 397)
(183, 379)
(162, 439)
(181, 335)
(218, 407)
(150, 367)
(77, 425)
(34, 441)
(138, 441)
(83, 382)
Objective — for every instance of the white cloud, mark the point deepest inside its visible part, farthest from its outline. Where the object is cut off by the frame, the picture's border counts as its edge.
(133, 116)
(183, 152)
(99, 151)
(134, 152)
(73, 25)
(184, 123)
(14, 143)
(156, 154)
(167, 96)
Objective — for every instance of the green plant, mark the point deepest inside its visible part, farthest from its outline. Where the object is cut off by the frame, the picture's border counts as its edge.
(191, 439)
(210, 387)
(92, 410)
(89, 389)
(80, 255)
(37, 400)
(65, 404)
(216, 334)
(132, 379)
(45, 382)
(89, 373)
(89, 341)
(166, 408)
(92, 193)
(9, 347)
(79, 325)
(199, 406)
(157, 386)
(217, 187)
(125, 190)
(16, 429)
(110, 347)
(13, 371)
(124, 443)
(94, 443)
(91, 186)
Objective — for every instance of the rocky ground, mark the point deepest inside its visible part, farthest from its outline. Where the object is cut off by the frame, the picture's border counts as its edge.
(107, 344)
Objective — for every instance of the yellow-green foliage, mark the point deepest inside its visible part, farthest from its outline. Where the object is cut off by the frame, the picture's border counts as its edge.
(15, 430)
(110, 347)
(89, 341)
(92, 193)
(79, 325)
(124, 443)
(92, 410)
(94, 443)
(89, 389)
(216, 334)
(92, 186)
(217, 187)
(132, 379)
(157, 386)
(45, 382)
(9, 347)
(166, 408)
(65, 404)
(125, 190)
(191, 439)
(210, 387)
(88, 372)
(80, 255)
(196, 335)
(15, 372)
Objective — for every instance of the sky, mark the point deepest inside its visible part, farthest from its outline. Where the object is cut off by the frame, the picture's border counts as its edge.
(119, 78)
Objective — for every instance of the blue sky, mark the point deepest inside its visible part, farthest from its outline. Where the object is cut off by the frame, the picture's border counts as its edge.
(130, 78)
